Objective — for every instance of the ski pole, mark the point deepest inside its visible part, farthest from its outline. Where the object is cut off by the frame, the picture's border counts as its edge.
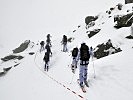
(72, 79)
(93, 68)
(69, 65)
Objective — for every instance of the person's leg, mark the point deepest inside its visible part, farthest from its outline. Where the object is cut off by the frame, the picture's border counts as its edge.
(45, 66)
(63, 47)
(85, 75)
(81, 72)
(66, 47)
(73, 66)
(85, 72)
(75, 63)
(41, 49)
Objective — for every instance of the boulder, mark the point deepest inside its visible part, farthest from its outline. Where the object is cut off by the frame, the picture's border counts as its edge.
(22, 47)
(128, 1)
(89, 19)
(92, 33)
(123, 20)
(12, 57)
(105, 49)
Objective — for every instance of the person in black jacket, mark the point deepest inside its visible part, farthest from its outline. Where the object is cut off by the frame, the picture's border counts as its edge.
(48, 49)
(64, 42)
(48, 41)
(46, 60)
(42, 46)
(74, 61)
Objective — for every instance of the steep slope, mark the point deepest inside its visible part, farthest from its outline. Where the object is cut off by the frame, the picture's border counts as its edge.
(113, 73)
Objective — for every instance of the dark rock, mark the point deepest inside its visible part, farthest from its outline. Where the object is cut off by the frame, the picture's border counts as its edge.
(128, 1)
(92, 33)
(123, 20)
(112, 8)
(128, 10)
(129, 37)
(12, 57)
(79, 26)
(2, 73)
(74, 31)
(70, 39)
(22, 47)
(7, 69)
(89, 19)
(120, 6)
(16, 65)
(109, 12)
(105, 49)
(31, 53)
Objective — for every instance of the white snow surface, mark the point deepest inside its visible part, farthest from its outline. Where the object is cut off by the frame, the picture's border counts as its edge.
(113, 81)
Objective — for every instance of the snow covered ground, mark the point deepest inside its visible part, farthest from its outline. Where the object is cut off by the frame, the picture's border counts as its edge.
(113, 73)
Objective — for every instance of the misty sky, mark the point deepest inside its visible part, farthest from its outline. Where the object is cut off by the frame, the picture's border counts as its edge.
(39, 16)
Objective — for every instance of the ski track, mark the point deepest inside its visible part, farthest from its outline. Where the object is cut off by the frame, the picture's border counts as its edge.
(78, 94)
(105, 76)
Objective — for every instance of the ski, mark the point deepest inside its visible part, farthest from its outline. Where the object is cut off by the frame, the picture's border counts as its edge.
(86, 84)
(82, 87)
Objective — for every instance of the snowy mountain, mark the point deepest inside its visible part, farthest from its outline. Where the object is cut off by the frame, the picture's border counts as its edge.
(22, 74)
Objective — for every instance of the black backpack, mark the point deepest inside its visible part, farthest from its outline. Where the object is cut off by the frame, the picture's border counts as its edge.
(75, 52)
(84, 52)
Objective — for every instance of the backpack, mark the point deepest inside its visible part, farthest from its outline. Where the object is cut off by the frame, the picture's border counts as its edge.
(75, 52)
(84, 52)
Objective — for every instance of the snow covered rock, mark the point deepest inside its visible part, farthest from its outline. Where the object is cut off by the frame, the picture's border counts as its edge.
(22, 47)
(12, 57)
(128, 1)
(89, 19)
(123, 20)
(93, 32)
(105, 49)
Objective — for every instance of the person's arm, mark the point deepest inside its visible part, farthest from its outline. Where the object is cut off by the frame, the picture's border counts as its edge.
(78, 56)
(91, 53)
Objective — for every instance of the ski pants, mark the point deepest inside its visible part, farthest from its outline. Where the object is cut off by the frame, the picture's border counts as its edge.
(74, 63)
(46, 66)
(42, 48)
(65, 47)
(83, 73)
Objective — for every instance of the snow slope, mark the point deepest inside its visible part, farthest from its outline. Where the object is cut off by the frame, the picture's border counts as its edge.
(113, 73)
(31, 19)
